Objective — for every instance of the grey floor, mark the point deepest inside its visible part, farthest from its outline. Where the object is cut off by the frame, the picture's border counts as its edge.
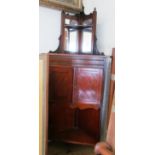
(69, 149)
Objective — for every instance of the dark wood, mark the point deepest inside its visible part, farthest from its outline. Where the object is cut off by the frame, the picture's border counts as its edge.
(60, 96)
(76, 60)
(87, 87)
(61, 79)
(75, 97)
(76, 136)
(62, 118)
(76, 85)
(89, 121)
(94, 47)
(80, 18)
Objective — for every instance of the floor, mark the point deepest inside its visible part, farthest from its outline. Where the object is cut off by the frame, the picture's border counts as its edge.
(69, 149)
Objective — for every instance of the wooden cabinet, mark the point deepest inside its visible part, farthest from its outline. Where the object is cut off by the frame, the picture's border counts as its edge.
(75, 97)
(78, 81)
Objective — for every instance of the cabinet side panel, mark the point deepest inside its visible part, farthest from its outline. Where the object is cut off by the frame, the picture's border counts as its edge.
(43, 103)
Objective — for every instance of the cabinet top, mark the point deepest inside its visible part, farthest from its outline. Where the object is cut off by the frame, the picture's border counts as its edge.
(76, 56)
(94, 61)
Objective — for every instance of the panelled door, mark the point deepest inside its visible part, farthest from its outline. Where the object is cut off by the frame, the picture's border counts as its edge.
(61, 116)
(88, 87)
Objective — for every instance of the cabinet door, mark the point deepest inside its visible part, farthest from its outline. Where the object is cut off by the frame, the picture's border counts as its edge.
(88, 87)
(61, 116)
(61, 84)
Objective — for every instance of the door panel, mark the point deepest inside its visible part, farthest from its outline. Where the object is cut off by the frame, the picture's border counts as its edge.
(61, 84)
(61, 116)
(88, 86)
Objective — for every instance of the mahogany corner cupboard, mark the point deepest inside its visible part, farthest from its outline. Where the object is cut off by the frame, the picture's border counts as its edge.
(75, 97)
(77, 84)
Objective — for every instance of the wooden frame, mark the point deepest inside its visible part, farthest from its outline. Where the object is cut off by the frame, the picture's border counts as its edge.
(79, 18)
(66, 5)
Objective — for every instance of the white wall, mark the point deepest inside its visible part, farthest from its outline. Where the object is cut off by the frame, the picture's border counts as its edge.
(49, 21)
(105, 23)
(49, 29)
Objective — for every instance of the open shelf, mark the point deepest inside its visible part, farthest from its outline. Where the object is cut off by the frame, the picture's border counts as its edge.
(76, 136)
(78, 26)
